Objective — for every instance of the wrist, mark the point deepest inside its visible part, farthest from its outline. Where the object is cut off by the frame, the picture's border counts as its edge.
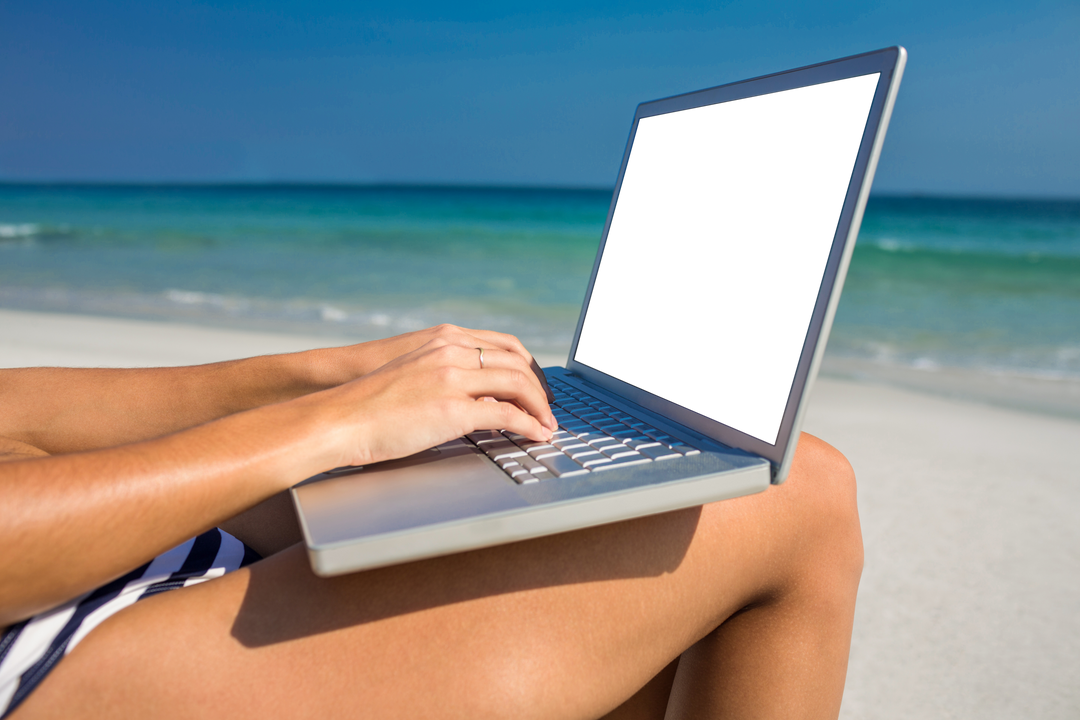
(325, 368)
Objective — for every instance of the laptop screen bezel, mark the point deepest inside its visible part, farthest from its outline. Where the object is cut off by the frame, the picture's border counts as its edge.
(888, 63)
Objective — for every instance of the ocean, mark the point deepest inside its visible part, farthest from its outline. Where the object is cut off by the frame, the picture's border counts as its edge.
(936, 284)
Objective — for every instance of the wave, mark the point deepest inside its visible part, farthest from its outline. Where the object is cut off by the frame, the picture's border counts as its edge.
(895, 265)
(20, 234)
(28, 233)
(18, 231)
(962, 226)
(546, 329)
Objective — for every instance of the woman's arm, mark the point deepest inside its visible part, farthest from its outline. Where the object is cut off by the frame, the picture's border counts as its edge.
(75, 521)
(62, 410)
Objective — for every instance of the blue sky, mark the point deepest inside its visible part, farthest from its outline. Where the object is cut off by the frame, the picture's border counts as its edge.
(491, 93)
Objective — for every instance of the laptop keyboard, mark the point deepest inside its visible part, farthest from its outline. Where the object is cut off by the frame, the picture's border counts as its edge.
(592, 436)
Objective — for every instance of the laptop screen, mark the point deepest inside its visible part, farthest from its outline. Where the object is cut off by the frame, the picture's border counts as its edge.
(717, 246)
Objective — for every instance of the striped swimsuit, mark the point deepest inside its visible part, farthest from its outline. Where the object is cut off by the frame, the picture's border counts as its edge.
(33, 647)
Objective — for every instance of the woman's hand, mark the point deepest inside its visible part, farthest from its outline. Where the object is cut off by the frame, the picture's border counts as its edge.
(358, 360)
(435, 393)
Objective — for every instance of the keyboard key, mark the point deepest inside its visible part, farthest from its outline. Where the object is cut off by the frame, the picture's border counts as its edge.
(494, 447)
(606, 423)
(659, 452)
(562, 466)
(541, 453)
(617, 451)
(530, 464)
(483, 436)
(592, 435)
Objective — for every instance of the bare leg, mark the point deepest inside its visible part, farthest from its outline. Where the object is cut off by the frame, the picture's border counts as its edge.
(784, 652)
(569, 626)
(651, 701)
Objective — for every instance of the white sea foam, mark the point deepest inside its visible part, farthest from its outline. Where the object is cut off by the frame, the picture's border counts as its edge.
(333, 314)
(20, 231)
(926, 364)
(194, 298)
(190, 297)
(890, 245)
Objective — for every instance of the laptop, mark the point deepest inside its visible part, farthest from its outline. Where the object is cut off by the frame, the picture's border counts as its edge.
(711, 297)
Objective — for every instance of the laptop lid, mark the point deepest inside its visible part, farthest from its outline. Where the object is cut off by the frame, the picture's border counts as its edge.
(743, 200)
(728, 235)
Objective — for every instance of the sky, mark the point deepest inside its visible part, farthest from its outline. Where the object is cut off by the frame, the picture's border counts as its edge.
(507, 93)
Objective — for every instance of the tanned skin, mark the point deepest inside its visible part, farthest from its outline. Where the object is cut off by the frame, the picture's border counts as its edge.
(737, 609)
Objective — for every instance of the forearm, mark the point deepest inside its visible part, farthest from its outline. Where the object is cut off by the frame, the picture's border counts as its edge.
(66, 410)
(74, 522)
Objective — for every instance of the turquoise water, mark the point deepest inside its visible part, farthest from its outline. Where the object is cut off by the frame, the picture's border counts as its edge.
(990, 284)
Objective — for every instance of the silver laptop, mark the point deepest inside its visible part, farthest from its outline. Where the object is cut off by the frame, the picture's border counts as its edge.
(712, 294)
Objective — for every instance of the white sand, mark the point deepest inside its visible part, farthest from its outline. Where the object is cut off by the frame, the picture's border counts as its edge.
(970, 602)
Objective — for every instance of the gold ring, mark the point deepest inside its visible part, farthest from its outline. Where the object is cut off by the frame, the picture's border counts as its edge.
(481, 357)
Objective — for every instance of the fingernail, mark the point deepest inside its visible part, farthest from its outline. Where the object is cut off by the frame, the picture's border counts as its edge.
(548, 434)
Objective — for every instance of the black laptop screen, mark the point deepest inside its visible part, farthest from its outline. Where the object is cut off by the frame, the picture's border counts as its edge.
(717, 246)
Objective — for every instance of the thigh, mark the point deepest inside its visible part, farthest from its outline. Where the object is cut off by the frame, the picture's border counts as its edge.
(565, 626)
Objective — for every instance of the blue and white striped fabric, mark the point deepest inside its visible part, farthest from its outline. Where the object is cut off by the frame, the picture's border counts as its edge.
(30, 649)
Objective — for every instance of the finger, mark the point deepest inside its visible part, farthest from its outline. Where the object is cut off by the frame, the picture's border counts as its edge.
(502, 359)
(512, 344)
(509, 385)
(503, 341)
(506, 416)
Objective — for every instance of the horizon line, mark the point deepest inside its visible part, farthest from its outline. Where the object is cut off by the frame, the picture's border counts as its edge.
(489, 186)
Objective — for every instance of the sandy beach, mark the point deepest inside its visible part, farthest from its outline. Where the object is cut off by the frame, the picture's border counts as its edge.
(968, 604)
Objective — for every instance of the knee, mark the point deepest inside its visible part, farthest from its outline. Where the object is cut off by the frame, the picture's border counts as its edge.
(826, 502)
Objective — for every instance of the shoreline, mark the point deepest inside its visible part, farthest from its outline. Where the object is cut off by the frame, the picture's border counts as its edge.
(971, 581)
(35, 337)
(1042, 395)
